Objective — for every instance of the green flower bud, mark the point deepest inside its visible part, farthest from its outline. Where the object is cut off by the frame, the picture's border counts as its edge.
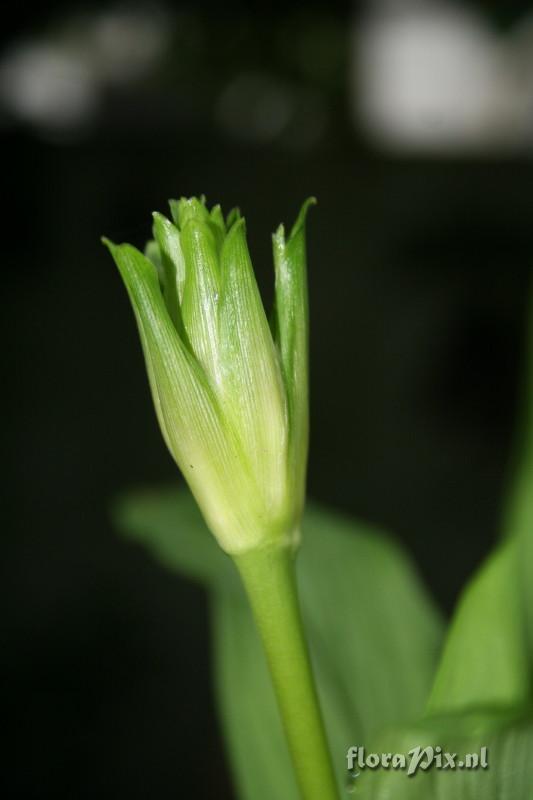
(231, 395)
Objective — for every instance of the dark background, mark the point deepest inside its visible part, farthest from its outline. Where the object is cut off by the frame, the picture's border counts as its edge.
(419, 267)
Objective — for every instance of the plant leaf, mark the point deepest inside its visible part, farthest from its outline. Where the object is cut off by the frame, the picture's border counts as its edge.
(480, 698)
(169, 523)
(485, 657)
(508, 742)
(373, 634)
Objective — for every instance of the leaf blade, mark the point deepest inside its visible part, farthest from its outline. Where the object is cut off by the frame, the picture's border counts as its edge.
(341, 570)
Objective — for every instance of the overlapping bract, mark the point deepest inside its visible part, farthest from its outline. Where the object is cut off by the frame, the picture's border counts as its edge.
(231, 395)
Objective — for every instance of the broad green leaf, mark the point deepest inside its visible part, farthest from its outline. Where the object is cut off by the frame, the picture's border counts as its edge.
(485, 658)
(168, 522)
(480, 698)
(373, 634)
(509, 775)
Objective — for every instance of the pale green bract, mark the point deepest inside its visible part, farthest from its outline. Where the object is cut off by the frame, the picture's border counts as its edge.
(231, 395)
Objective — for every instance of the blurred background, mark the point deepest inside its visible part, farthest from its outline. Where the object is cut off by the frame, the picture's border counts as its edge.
(412, 122)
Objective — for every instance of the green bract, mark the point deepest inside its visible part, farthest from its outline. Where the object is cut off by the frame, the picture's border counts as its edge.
(231, 395)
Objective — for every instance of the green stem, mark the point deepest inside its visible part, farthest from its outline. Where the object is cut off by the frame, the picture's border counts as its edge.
(269, 579)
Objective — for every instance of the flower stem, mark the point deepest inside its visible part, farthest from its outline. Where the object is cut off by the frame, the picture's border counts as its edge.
(269, 579)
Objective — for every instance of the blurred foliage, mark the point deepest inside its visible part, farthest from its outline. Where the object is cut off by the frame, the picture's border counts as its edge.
(374, 635)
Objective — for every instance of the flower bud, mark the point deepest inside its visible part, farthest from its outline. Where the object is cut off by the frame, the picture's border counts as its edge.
(231, 395)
